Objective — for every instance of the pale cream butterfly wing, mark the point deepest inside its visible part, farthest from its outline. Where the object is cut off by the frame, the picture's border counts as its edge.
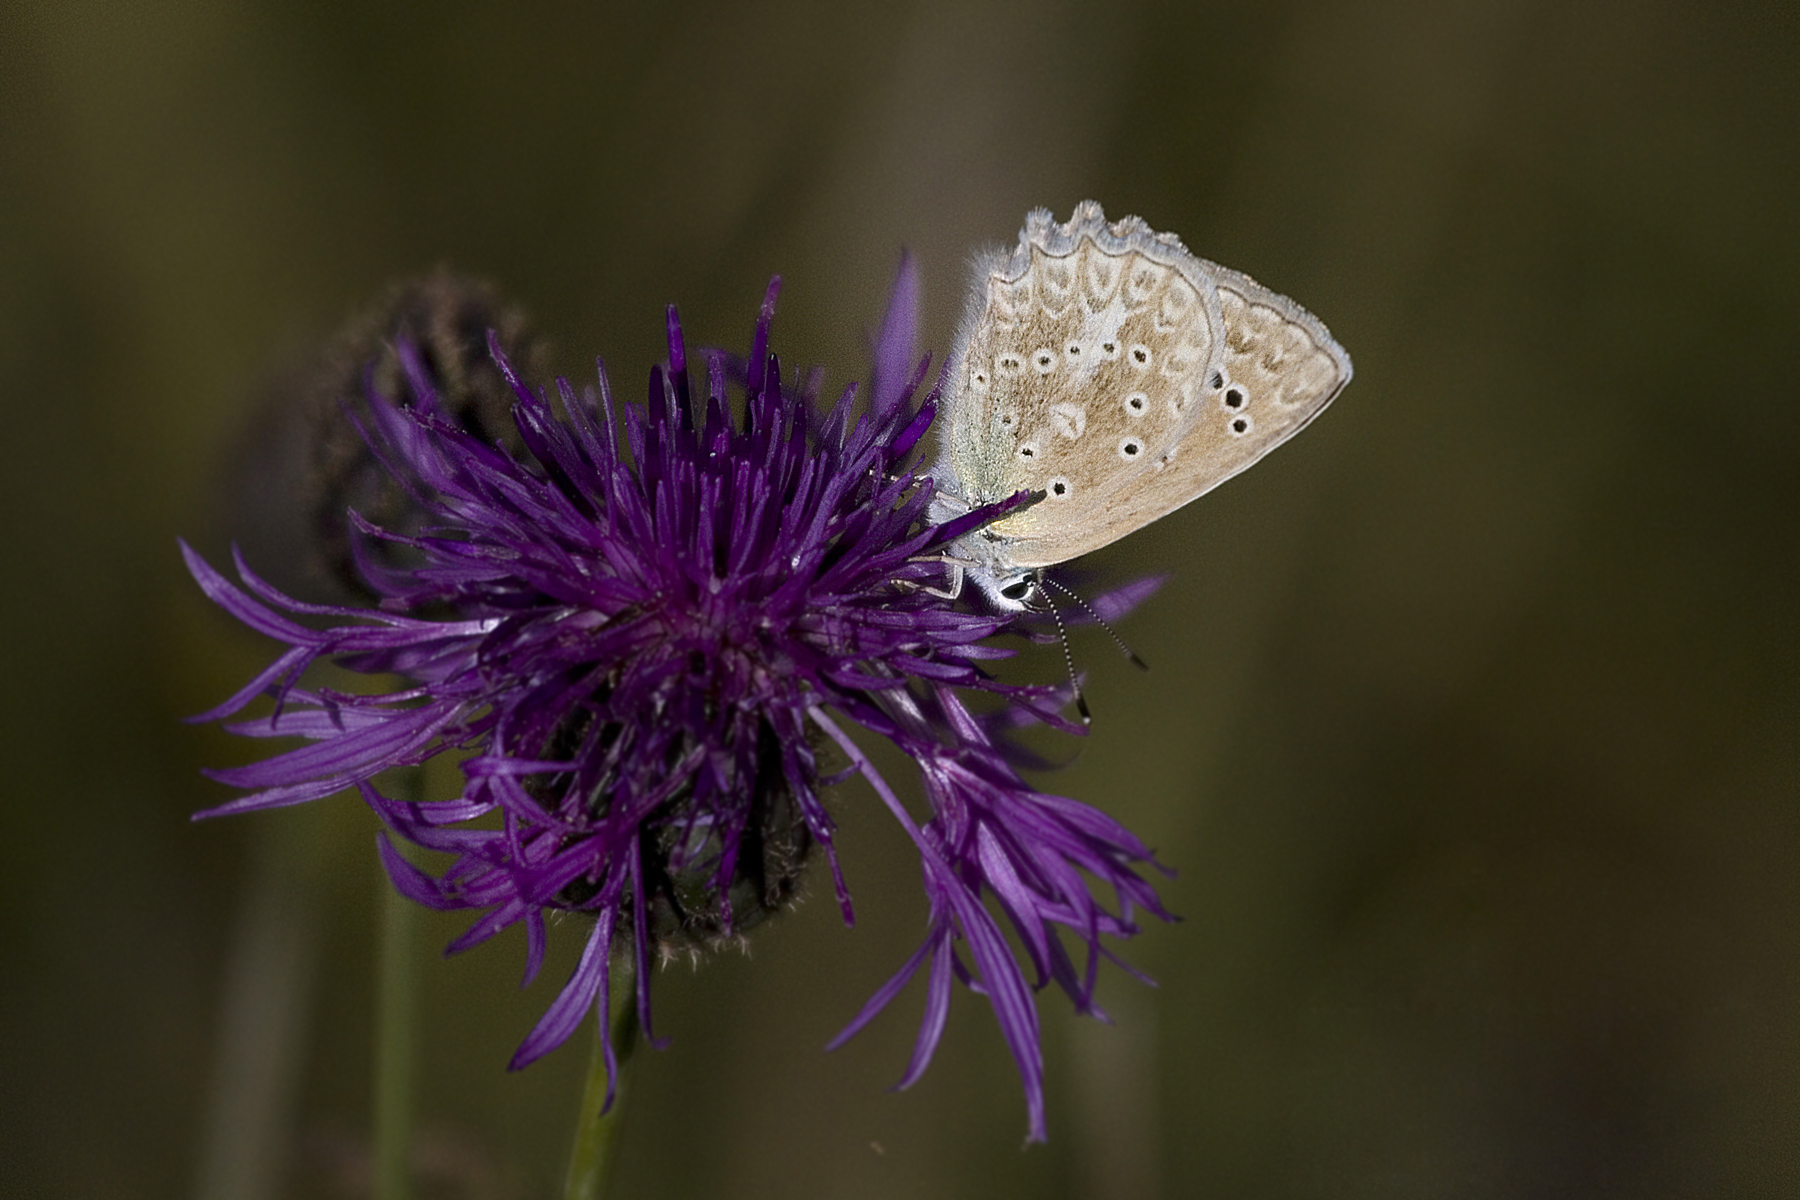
(1108, 368)
(1280, 369)
(1080, 356)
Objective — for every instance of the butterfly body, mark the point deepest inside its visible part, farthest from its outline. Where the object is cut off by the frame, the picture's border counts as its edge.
(1107, 368)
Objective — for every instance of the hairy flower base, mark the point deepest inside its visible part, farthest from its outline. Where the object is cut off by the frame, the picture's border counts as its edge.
(638, 634)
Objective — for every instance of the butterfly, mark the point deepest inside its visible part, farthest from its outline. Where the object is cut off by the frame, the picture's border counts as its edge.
(1115, 375)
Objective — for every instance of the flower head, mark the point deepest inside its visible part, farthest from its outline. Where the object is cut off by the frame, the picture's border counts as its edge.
(645, 632)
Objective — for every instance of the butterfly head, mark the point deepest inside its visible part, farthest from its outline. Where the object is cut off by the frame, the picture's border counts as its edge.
(982, 559)
(1007, 590)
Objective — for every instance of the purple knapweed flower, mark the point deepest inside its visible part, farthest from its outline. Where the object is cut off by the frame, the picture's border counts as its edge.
(644, 633)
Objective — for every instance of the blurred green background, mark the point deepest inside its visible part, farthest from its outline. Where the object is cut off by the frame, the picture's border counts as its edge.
(1472, 724)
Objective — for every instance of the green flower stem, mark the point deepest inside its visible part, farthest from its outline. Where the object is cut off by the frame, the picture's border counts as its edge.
(591, 1159)
(396, 1034)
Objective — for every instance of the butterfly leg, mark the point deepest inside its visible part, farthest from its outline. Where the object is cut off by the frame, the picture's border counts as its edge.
(956, 566)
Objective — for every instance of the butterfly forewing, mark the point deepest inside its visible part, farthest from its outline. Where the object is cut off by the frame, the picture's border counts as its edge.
(1281, 368)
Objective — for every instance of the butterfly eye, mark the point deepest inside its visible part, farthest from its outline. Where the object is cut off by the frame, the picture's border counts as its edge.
(1140, 355)
(1059, 487)
(1043, 360)
(1130, 448)
(1236, 399)
(1136, 403)
(1017, 590)
(1241, 425)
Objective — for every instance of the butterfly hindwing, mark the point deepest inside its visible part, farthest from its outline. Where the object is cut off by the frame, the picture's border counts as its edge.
(1087, 353)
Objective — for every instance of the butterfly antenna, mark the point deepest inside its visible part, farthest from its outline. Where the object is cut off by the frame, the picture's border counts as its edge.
(1118, 641)
(1062, 633)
